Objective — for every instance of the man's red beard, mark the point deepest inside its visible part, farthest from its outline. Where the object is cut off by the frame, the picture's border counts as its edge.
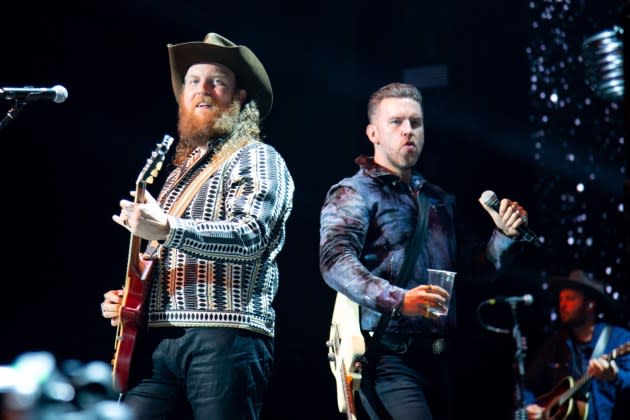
(195, 130)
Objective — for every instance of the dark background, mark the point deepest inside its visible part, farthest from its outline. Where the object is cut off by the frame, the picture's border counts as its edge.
(66, 166)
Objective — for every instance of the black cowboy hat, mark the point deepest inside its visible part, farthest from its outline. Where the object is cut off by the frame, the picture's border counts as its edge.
(585, 282)
(249, 71)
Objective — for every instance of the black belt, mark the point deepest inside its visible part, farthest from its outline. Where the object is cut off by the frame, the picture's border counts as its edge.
(399, 343)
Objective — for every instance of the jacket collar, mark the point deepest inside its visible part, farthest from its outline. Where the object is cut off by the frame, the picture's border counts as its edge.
(374, 170)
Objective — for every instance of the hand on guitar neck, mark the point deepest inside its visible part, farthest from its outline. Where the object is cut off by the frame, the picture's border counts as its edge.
(603, 368)
(143, 217)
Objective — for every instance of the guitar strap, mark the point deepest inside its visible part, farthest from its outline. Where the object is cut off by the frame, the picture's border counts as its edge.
(411, 256)
(369, 399)
(602, 341)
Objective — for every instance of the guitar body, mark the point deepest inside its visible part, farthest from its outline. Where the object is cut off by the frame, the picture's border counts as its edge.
(345, 347)
(559, 403)
(555, 407)
(132, 322)
(137, 281)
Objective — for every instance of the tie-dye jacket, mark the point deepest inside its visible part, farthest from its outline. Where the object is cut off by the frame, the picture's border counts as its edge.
(367, 221)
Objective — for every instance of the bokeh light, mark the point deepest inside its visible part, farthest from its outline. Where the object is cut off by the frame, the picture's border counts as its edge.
(578, 145)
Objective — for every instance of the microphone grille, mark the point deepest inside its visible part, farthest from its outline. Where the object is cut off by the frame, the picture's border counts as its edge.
(489, 198)
(61, 94)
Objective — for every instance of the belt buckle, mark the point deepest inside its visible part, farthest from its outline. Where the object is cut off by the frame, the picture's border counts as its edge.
(438, 346)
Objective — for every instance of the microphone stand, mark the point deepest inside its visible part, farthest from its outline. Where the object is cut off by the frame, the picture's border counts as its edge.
(13, 112)
(519, 357)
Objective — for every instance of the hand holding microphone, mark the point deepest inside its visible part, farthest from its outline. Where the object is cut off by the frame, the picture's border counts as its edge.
(508, 216)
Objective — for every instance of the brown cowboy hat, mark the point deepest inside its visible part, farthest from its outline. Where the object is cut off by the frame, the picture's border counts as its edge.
(249, 71)
(585, 282)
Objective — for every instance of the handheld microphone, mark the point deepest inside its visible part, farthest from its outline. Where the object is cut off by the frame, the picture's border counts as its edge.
(512, 300)
(490, 199)
(56, 93)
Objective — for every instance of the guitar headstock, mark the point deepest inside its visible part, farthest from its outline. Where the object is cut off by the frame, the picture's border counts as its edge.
(155, 161)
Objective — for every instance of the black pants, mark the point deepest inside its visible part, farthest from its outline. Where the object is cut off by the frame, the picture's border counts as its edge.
(407, 382)
(201, 373)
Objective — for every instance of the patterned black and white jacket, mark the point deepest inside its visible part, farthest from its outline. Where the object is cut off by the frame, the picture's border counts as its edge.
(218, 264)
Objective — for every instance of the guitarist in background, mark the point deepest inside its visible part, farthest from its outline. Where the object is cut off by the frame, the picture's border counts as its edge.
(208, 350)
(567, 352)
(366, 223)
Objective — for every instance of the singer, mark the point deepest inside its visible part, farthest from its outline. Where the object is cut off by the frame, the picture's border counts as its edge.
(367, 223)
(210, 323)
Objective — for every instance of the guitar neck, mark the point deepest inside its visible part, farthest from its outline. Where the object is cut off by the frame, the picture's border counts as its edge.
(135, 242)
(568, 394)
(131, 312)
(583, 380)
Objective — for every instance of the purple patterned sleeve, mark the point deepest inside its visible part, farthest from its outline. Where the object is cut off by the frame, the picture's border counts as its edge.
(344, 222)
(499, 243)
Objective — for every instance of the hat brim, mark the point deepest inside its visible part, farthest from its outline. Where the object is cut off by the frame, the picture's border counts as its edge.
(250, 73)
(606, 303)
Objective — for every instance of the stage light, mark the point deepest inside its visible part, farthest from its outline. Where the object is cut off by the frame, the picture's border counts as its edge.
(603, 58)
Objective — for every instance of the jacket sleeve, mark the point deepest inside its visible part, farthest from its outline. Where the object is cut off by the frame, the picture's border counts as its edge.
(344, 222)
(257, 200)
(622, 337)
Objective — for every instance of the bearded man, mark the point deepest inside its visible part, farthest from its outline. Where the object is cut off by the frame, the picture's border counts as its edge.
(585, 345)
(217, 227)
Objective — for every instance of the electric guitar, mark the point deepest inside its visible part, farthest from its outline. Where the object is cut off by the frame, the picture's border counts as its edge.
(139, 271)
(345, 346)
(559, 403)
